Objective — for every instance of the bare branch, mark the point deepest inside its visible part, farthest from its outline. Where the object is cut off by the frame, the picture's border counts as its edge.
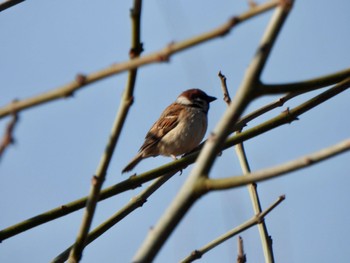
(306, 85)
(241, 257)
(162, 55)
(265, 174)
(252, 188)
(98, 179)
(256, 219)
(227, 97)
(254, 196)
(134, 203)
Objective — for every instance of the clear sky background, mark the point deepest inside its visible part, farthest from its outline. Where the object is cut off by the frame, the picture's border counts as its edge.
(44, 44)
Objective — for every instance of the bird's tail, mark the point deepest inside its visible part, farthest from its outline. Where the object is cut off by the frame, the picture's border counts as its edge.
(133, 163)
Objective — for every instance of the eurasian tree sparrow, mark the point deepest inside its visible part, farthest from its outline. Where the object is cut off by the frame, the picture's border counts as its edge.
(179, 129)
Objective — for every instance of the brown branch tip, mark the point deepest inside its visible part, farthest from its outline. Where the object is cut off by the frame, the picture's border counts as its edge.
(226, 94)
(241, 257)
(8, 137)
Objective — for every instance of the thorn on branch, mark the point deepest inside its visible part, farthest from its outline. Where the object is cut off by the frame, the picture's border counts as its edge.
(291, 117)
(143, 201)
(133, 176)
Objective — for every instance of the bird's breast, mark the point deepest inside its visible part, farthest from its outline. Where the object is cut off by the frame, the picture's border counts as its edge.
(186, 135)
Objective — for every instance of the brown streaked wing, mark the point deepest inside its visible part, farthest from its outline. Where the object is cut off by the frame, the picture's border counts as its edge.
(166, 122)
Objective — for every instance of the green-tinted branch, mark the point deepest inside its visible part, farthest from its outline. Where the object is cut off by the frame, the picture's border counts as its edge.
(134, 203)
(273, 172)
(306, 85)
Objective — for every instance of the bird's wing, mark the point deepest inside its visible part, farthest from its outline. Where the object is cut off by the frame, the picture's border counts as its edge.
(166, 122)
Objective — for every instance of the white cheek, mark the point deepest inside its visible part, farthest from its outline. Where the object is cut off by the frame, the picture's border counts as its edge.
(183, 100)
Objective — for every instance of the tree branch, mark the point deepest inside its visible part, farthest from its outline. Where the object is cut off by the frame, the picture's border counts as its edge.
(98, 179)
(134, 203)
(241, 257)
(254, 196)
(162, 55)
(252, 188)
(306, 85)
(256, 219)
(265, 174)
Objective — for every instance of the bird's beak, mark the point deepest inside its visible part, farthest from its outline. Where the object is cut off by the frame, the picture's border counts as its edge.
(211, 99)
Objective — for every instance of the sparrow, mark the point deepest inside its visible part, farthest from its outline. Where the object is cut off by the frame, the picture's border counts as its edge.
(179, 129)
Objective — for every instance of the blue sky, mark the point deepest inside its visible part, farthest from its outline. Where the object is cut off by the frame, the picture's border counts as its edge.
(44, 44)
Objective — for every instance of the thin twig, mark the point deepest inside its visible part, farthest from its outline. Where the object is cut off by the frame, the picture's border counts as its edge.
(136, 181)
(264, 109)
(162, 55)
(98, 179)
(306, 85)
(265, 174)
(256, 219)
(134, 203)
(252, 188)
(241, 257)
(254, 196)
(8, 137)
(227, 97)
